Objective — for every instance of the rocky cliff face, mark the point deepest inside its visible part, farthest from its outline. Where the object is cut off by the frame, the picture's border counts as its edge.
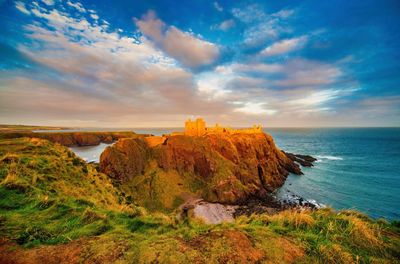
(125, 159)
(217, 167)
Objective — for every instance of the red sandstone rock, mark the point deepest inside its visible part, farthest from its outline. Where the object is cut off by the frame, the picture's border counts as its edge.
(232, 167)
(125, 159)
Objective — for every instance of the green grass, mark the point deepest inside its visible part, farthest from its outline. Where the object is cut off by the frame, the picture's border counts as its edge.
(48, 196)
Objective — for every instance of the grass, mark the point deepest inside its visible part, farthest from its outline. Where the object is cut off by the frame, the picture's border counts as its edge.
(48, 196)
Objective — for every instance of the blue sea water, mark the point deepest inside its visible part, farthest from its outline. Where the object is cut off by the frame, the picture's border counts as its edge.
(357, 168)
(90, 153)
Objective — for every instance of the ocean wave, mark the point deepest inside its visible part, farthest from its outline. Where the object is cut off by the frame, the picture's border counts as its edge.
(328, 158)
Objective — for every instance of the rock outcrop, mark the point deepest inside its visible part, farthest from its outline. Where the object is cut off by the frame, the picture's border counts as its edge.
(303, 160)
(216, 167)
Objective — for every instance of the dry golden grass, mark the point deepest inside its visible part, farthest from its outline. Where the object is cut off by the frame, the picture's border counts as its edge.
(363, 233)
(335, 254)
(297, 219)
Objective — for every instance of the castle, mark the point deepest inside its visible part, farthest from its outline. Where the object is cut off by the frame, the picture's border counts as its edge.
(198, 128)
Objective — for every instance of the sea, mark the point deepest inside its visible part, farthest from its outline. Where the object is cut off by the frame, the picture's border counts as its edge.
(357, 168)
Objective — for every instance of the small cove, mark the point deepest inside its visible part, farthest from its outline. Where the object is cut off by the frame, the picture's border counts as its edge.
(90, 153)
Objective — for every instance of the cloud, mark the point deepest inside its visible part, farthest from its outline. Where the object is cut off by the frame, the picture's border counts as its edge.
(256, 67)
(95, 70)
(190, 50)
(284, 46)
(78, 6)
(21, 7)
(317, 98)
(284, 13)
(48, 2)
(260, 26)
(94, 16)
(249, 14)
(218, 7)
(255, 109)
(90, 74)
(296, 88)
(226, 25)
(301, 72)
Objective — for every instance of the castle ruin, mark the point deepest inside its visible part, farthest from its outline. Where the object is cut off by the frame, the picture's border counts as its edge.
(198, 128)
(195, 128)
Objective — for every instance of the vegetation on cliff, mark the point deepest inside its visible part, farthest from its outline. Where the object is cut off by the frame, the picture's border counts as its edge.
(55, 208)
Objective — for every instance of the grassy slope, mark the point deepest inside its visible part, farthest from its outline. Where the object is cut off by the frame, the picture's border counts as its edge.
(48, 196)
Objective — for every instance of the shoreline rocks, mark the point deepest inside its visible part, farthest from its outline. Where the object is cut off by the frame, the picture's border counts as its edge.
(303, 160)
(289, 199)
(216, 213)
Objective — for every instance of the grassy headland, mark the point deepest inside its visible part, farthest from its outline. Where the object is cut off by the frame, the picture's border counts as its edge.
(56, 208)
(19, 128)
(69, 139)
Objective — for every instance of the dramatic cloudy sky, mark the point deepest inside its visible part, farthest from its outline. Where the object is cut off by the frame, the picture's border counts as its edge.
(131, 63)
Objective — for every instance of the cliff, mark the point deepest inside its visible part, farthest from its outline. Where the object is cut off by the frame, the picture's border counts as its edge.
(70, 139)
(216, 167)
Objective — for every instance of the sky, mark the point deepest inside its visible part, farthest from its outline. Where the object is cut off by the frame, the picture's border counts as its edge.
(130, 63)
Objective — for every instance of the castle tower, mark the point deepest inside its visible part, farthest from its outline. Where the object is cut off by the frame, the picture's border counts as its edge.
(195, 128)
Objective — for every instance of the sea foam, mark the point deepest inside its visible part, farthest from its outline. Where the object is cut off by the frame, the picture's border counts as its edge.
(328, 158)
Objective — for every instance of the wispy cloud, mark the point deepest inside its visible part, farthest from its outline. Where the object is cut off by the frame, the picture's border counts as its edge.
(78, 6)
(218, 7)
(21, 7)
(255, 109)
(48, 2)
(94, 16)
(260, 25)
(226, 24)
(300, 72)
(284, 46)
